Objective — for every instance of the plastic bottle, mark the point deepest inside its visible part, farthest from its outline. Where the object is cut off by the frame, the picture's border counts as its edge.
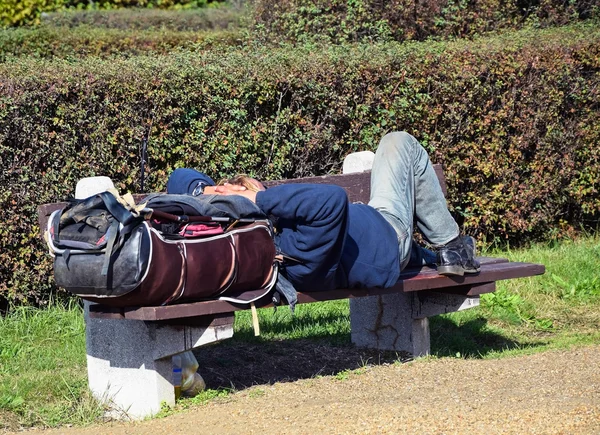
(177, 376)
(186, 380)
(191, 383)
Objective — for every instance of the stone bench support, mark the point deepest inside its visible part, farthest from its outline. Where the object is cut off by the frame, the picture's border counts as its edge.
(399, 322)
(130, 362)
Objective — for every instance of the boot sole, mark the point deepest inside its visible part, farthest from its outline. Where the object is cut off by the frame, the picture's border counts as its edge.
(455, 270)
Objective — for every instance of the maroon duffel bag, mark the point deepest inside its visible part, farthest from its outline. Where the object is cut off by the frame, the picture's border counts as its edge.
(120, 258)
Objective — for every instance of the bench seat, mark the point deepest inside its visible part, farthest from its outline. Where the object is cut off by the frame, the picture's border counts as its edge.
(415, 280)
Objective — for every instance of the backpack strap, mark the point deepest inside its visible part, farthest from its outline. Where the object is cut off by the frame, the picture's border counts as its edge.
(286, 289)
(125, 221)
(119, 212)
(111, 235)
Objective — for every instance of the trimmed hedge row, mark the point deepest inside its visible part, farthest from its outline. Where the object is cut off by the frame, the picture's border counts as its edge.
(213, 18)
(514, 119)
(22, 12)
(48, 42)
(356, 20)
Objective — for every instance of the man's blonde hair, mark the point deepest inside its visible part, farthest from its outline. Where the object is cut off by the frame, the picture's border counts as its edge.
(242, 180)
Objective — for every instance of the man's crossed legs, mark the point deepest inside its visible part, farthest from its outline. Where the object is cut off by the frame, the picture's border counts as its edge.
(405, 189)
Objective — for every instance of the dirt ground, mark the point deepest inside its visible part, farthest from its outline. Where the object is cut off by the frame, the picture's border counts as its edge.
(555, 392)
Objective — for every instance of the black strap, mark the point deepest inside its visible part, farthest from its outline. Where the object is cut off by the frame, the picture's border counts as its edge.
(56, 226)
(119, 212)
(112, 233)
(287, 290)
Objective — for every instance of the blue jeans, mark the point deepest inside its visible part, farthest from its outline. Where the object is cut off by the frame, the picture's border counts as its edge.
(405, 189)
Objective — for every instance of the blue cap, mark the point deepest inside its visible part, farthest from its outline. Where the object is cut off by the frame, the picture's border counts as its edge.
(186, 180)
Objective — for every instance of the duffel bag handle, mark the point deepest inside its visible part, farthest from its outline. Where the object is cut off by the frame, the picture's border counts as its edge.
(183, 218)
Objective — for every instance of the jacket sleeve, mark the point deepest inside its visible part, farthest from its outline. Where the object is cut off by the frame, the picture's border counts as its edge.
(313, 222)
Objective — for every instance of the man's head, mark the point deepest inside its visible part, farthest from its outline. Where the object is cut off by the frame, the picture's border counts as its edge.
(185, 180)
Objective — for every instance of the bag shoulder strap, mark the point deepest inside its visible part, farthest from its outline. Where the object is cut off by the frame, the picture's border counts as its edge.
(117, 209)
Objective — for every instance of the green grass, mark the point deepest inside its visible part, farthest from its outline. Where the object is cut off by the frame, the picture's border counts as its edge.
(42, 352)
(556, 310)
(43, 376)
(330, 320)
(190, 402)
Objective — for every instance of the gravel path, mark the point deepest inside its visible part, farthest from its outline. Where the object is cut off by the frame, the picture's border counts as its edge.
(555, 392)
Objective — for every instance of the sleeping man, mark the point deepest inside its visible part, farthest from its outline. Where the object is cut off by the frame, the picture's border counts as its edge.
(336, 244)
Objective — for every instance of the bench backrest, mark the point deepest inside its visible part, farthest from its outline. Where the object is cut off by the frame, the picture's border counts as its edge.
(357, 185)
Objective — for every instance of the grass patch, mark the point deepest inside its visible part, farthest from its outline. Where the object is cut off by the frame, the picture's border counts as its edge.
(326, 320)
(189, 402)
(42, 352)
(43, 376)
(556, 310)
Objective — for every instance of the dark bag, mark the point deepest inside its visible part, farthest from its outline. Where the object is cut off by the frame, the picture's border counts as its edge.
(109, 253)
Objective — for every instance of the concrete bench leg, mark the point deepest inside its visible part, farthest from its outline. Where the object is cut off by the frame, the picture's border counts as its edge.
(130, 361)
(385, 322)
(399, 322)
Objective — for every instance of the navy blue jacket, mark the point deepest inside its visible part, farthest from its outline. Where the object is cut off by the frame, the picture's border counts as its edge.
(338, 244)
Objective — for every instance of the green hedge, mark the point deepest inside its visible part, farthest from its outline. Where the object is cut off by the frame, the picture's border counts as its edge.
(49, 42)
(355, 20)
(22, 12)
(213, 18)
(514, 119)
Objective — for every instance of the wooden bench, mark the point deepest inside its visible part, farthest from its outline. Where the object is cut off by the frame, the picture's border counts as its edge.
(129, 350)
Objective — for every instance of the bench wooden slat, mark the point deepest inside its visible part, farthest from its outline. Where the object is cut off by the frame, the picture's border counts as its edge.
(492, 269)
